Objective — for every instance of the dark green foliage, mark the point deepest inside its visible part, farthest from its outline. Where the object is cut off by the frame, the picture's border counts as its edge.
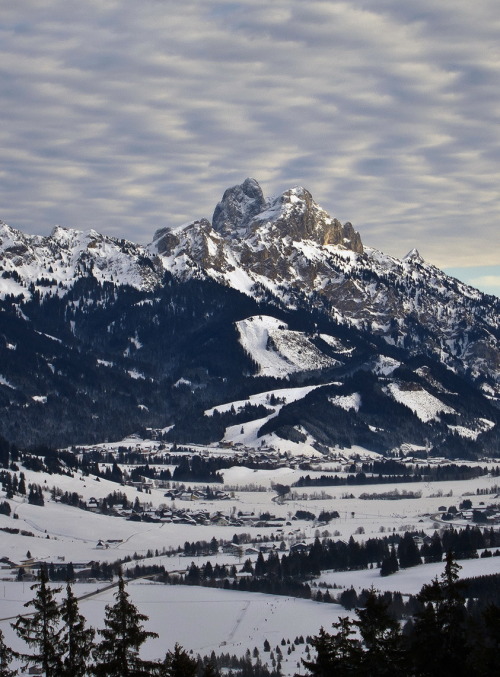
(117, 654)
(389, 563)
(6, 656)
(77, 640)
(382, 640)
(408, 553)
(433, 551)
(337, 654)
(444, 637)
(35, 496)
(40, 630)
(177, 663)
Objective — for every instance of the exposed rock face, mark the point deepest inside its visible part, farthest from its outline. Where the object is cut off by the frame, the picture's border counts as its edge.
(297, 216)
(243, 211)
(286, 250)
(238, 206)
(93, 330)
(288, 247)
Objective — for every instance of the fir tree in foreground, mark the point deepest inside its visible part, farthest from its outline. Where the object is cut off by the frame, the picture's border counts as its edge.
(177, 663)
(117, 655)
(6, 656)
(440, 637)
(337, 654)
(77, 640)
(40, 630)
(443, 639)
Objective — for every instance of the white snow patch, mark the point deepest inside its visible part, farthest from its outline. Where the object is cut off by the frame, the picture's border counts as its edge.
(347, 402)
(480, 425)
(136, 374)
(335, 343)
(4, 382)
(277, 350)
(135, 342)
(182, 382)
(105, 363)
(423, 404)
(283, 395)
(384, 366)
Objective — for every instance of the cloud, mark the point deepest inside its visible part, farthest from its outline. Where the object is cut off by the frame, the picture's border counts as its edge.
(488, 283)
(126, 116)
(485, 278)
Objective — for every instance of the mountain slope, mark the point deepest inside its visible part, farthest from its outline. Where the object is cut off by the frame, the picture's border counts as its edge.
(100, 337)
(291, 251)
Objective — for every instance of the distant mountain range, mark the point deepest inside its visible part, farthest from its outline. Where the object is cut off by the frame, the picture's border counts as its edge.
(100, 337)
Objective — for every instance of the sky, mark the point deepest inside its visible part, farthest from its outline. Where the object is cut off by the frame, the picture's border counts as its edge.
(131, 115)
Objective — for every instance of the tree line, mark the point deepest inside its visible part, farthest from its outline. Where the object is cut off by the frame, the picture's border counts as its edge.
(442, 638)
(59, 642)
(390, 472)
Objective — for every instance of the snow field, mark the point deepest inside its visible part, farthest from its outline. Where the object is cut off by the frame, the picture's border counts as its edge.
(205, 619)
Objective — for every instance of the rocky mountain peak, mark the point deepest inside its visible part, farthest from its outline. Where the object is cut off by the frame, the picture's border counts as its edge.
(296, 215)
(237, 208)
(243, 212)
(414, 256)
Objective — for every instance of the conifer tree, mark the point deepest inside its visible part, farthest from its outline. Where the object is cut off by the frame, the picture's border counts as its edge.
(117, 655)
(210, 670)
(77, 639)
(336, 654)
(40, 629)
(408, 553)
(381, 637)
(178, 663)
(390, 563)
(439, 638)
(6, 656)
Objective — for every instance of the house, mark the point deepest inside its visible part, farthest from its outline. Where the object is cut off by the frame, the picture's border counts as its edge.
(93, 505)
(231, 548)
(299, 547)
(251, 551)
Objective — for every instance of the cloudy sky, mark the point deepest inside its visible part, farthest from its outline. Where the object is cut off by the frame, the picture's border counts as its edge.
(130, 115)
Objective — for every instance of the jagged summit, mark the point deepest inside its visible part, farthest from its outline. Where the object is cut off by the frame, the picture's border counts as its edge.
(102, 330)
(260, 241)
(286, 251)
(238, 206)
(414, 256)
(243, 212)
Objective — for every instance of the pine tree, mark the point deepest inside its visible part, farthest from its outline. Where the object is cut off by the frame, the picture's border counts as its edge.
(390, 563)
(210, 670)
(77, 639)
(338, 654)
(177, 663)
(117, 655)
(40, 629)
(439, 640)
(408, 553)
(381, 637)
(6, 656)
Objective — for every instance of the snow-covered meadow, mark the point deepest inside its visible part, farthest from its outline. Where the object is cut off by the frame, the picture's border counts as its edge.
(206, 619)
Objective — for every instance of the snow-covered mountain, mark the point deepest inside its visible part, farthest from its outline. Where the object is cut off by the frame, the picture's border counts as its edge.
(53, 264)
(289, 249)
(100, 336)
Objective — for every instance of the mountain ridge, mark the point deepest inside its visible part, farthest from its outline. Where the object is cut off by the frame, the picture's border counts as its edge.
(166, 329)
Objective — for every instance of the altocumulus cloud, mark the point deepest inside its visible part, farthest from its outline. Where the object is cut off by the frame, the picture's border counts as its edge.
(128, 115)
